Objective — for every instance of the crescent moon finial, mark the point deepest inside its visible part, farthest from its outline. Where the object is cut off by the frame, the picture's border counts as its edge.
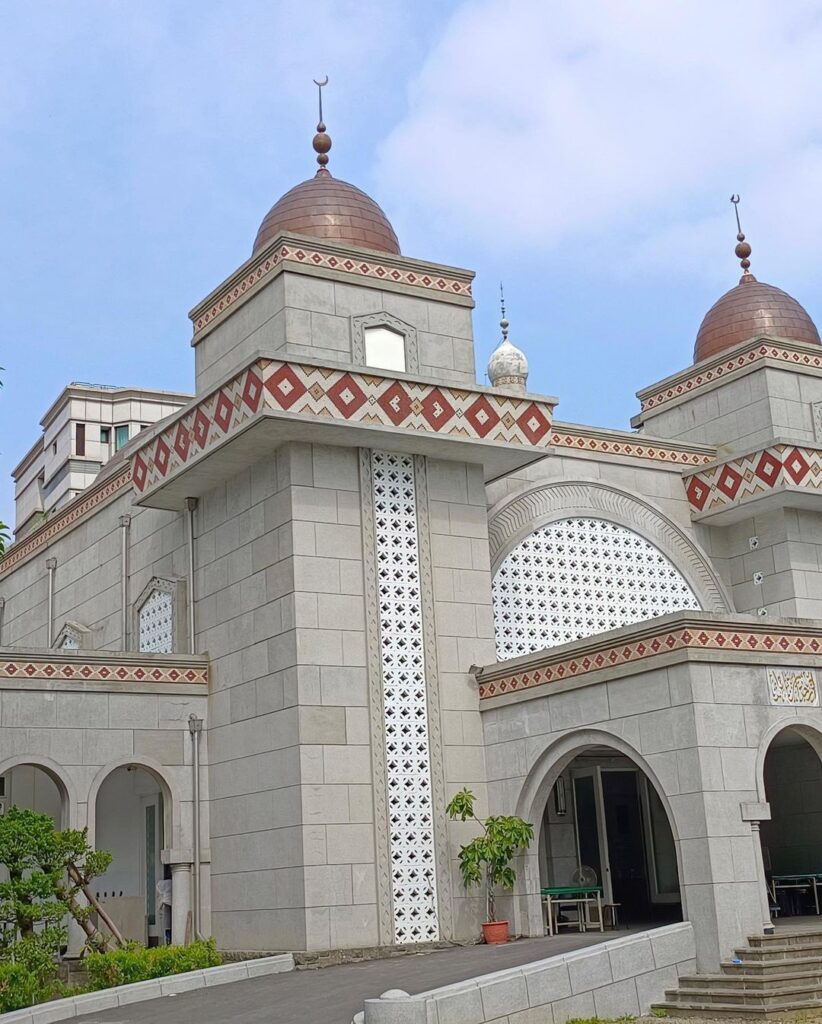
(322, 142)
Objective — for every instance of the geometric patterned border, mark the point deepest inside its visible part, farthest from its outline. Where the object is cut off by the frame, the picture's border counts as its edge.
(705, 376)
(659, 452)
(111, 672)
(346, 264)
(554, 668)
(734, 481)
(269, 385)
(77, 510)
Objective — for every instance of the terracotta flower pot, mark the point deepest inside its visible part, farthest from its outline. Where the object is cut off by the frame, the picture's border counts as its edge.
(495, 932)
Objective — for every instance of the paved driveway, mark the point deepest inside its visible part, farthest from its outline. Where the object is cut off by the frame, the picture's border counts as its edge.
(332, 995)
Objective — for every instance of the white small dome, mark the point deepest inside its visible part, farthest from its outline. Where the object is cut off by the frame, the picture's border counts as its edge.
(508, 366)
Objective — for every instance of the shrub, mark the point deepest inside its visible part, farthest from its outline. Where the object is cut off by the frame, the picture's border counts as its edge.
(136, 962)
(20, 987)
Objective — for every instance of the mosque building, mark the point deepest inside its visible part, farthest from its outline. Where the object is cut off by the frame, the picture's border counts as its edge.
(261, 645)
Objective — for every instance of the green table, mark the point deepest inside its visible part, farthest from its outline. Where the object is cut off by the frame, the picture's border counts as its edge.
(580, 896)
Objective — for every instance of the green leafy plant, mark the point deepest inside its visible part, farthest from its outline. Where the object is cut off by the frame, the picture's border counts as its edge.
(135, 962)
(19, 987)
(5, 537)
(487, 858)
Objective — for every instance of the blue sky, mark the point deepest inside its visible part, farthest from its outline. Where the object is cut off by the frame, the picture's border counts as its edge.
(582, 153)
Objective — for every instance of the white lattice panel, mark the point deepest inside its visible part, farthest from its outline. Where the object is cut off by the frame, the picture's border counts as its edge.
(408, 765)
(156, 623)
(579, 577)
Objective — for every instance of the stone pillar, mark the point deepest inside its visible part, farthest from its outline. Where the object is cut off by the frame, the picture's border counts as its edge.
(180, 902)
(756, 813)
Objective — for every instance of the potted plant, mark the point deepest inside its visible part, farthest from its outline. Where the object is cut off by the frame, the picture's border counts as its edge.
(487, 858)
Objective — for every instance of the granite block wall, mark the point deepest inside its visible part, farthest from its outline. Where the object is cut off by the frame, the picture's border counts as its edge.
(297, 315)
(697, 730)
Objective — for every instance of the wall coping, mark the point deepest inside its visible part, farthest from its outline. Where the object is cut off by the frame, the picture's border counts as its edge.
(123, 995)
(753, 354)
(637, 648)
(34, 667)
(479, 999)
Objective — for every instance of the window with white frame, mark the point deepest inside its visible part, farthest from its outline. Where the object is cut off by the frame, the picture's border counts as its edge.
(384, 348)
(578, 577)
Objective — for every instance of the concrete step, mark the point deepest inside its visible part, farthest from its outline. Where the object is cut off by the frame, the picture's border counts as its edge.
(780, 951)
(752, 982)
(786, 938)
(712, 1011)
(767, 968)
(743, 998)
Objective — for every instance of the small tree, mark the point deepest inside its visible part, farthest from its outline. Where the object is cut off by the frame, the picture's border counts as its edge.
(488, 857)
(48, 870)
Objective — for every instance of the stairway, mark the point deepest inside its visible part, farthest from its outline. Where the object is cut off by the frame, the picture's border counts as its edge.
(775, 976)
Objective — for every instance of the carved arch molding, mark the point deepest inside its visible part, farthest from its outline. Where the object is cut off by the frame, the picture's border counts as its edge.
(514, 518)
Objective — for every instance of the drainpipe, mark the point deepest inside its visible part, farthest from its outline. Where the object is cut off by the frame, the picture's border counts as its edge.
(195, 728)
(125, 527)
(191, 505)
(2, 616)
(51, 565)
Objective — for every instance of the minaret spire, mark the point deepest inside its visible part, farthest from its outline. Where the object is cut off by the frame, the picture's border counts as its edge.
(507, 367)
(322, 141)
(743, 249)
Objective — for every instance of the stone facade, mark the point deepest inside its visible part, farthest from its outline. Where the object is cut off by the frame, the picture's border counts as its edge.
(322, 538)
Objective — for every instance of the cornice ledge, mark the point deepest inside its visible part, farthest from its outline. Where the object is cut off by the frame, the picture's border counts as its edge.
(743, 358)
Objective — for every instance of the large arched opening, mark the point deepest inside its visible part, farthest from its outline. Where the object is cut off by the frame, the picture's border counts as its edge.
(131, 812)
(602, 821)
(36, 785)
(792, 838)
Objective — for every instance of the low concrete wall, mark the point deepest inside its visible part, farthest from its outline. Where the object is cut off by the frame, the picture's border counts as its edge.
(110, 998)
(623, 976)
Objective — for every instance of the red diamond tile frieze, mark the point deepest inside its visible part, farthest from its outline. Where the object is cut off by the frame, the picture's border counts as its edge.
(200, 429)
(253, 391)
(274, 386)
(223, 411)
(182, 441)
(767, 468)
(556, 667)
(748, 476)
(533, 423)
(437, 409)
(395, 403)
(482, 416)
(285, 387)
(697, 380)
(729, 481)
(347, 395)
(162, 456)
(796, 466)
(57, 670)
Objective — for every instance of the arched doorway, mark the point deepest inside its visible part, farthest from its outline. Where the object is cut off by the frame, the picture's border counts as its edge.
(572, 820)
(130, 814)
(35, 787)
(605, 821)
(792, 839)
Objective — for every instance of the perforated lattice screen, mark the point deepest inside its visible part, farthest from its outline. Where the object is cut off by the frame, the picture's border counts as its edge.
(156, 623)
(408, 763)
(578, 577)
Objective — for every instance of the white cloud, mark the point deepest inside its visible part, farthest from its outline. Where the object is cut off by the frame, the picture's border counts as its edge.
(572, 124)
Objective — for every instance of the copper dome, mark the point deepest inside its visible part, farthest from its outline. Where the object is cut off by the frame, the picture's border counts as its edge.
(324, 207)
(750, 309)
